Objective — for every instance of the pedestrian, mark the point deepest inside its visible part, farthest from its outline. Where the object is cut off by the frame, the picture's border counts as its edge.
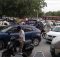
(21, 37)
(40, 26)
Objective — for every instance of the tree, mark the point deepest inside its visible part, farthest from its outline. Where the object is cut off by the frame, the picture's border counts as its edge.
(21, 8)
(54, 13)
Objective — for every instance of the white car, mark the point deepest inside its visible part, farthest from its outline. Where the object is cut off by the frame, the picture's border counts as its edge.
(53, 33)
(57, 24)
(55, 47)
(4, 23)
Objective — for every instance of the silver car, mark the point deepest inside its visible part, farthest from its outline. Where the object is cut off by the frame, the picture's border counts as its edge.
(55, 47)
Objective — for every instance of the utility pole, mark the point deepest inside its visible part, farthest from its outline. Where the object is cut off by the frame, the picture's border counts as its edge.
(36, 13)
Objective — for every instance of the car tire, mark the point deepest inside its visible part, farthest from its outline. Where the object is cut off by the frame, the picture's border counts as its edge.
(1, 45)
(36, 42)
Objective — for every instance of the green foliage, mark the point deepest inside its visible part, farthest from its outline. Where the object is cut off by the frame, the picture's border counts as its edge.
(54, 13)
(21, 8)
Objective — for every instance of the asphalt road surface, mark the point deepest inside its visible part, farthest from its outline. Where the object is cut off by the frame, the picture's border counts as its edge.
(43, 46)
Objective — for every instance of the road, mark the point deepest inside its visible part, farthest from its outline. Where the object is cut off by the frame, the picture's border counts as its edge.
(43, 46)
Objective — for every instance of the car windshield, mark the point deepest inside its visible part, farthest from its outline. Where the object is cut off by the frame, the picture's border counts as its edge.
(56, 29)
(6, 28)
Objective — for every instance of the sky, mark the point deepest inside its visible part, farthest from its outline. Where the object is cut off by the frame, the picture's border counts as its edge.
(52, 5)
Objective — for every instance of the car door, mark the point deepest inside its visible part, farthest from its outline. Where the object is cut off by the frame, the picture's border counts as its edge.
(28, 32)
(13, 32)
(4, 35)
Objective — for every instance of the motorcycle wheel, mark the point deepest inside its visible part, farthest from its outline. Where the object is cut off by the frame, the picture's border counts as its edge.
(5, 55)
(43, 35)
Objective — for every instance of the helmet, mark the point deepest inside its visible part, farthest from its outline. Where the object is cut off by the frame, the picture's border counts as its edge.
(19, 27)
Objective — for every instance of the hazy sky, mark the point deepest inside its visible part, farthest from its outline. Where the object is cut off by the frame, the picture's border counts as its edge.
(52, 5)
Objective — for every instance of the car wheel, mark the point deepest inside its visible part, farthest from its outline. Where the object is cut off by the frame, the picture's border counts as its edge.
(36, 42)
(1, 45)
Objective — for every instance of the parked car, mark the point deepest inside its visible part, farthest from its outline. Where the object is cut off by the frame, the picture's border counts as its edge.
(1, 27)
(31, 22)
(55, 47)
(53, 33)
(57, 24)
(31, 33)
(4, 23)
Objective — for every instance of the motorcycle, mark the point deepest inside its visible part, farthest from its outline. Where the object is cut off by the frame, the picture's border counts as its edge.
(43, 34)
(13, 48)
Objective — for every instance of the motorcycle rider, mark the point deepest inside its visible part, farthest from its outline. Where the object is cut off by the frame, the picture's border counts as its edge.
(40, 26)
(21, 38)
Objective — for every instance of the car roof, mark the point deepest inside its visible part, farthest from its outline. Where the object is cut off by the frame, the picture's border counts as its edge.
(23, 26)
(26, 26)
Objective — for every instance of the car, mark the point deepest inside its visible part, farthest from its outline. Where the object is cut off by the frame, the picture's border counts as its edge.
(4, 23)
(31, 33)
(57, 24)
(1, 27)
(55, 47)
(31, 22)
(52, 34)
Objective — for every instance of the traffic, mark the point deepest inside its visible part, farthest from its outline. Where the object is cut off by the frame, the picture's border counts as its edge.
(35, 32)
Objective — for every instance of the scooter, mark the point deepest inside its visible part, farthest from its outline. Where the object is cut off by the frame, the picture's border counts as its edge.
(13, 48)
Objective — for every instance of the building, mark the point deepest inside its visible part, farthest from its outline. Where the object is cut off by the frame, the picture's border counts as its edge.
(56, 18)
